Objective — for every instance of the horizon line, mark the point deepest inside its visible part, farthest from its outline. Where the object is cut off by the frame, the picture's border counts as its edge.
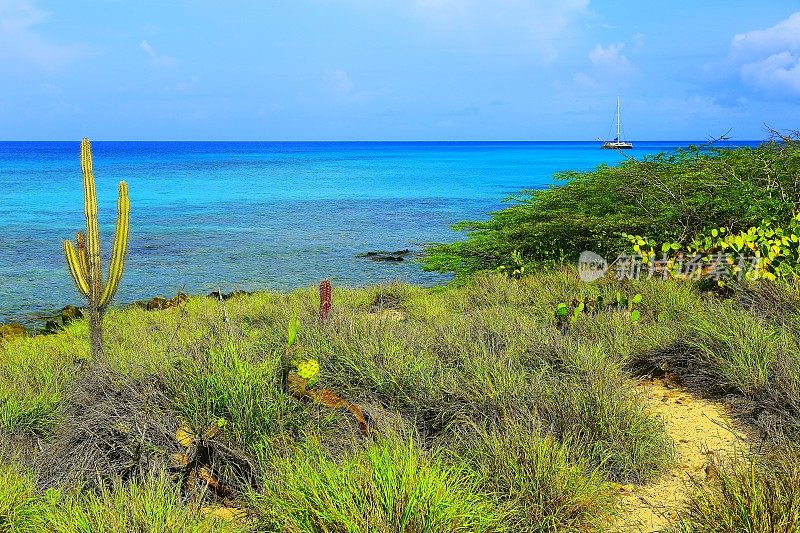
(712, 141)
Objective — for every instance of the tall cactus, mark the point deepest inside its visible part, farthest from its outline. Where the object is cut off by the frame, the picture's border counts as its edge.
(84, 263)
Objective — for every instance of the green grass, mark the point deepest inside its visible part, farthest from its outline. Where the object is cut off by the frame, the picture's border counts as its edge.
(751, 495)
(219, 385)
(389, 485)
(543, 488)
(552, 417)
(727, 351)
(19, 505)
(153, 504)
(34, 374)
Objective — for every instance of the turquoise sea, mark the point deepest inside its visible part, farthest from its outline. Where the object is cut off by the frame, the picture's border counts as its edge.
(258, 215)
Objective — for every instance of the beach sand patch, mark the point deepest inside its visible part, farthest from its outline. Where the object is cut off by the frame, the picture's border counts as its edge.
(701, 430)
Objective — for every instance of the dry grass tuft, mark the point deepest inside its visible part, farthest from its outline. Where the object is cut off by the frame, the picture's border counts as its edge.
(112, 429)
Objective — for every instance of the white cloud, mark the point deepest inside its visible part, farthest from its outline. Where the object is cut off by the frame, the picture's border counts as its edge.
(535, 26)
(608, 64)
(19, 39)
(776, 72)
(158, 60)
(149, 50)
(785, 35)
(610, 58)
(187, 86)
(767, 61)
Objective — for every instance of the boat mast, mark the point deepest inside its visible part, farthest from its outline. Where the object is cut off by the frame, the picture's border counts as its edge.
(618, 128)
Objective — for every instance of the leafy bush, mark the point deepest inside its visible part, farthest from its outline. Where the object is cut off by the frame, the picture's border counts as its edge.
(759, 252)
(668, 197)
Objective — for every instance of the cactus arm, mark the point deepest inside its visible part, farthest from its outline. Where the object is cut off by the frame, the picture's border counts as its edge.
(81, 240)
(73, 263)
(92, 230)
(120, 245)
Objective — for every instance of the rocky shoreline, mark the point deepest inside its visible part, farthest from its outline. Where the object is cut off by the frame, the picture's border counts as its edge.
(60, 319)
(57, 321)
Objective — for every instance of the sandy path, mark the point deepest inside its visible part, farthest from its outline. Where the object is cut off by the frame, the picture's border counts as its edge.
(698, 428)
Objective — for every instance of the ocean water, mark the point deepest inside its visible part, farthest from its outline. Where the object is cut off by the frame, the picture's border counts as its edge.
(257, 215)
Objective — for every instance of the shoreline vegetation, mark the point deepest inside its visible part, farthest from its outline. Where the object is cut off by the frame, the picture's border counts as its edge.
(508, 400)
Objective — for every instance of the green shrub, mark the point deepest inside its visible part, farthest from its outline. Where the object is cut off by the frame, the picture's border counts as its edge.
(222, 385)
(668, 197)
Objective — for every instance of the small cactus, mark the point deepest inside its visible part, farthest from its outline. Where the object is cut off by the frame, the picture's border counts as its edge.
(325, 291)
(84, 263)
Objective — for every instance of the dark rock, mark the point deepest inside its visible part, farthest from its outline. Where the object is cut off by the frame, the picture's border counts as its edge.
(217, 295)
(387, 257)
(70, 313)
(51, 327)
(236, 294)
(12, 330)
(178, 300)
(157, 303)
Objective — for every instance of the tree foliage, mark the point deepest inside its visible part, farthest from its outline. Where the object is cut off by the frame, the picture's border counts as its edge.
(670, 196)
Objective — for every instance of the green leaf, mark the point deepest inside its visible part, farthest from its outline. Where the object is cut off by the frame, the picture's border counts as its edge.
(578, 310)
(291, 334)
(635, 315)
(637, 298)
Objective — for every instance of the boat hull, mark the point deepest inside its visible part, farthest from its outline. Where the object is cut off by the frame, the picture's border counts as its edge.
(617, 146)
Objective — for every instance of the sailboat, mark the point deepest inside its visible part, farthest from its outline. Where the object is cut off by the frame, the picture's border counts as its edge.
(618, 143)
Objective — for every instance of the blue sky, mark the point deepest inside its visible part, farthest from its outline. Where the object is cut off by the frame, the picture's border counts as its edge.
(396, 69)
